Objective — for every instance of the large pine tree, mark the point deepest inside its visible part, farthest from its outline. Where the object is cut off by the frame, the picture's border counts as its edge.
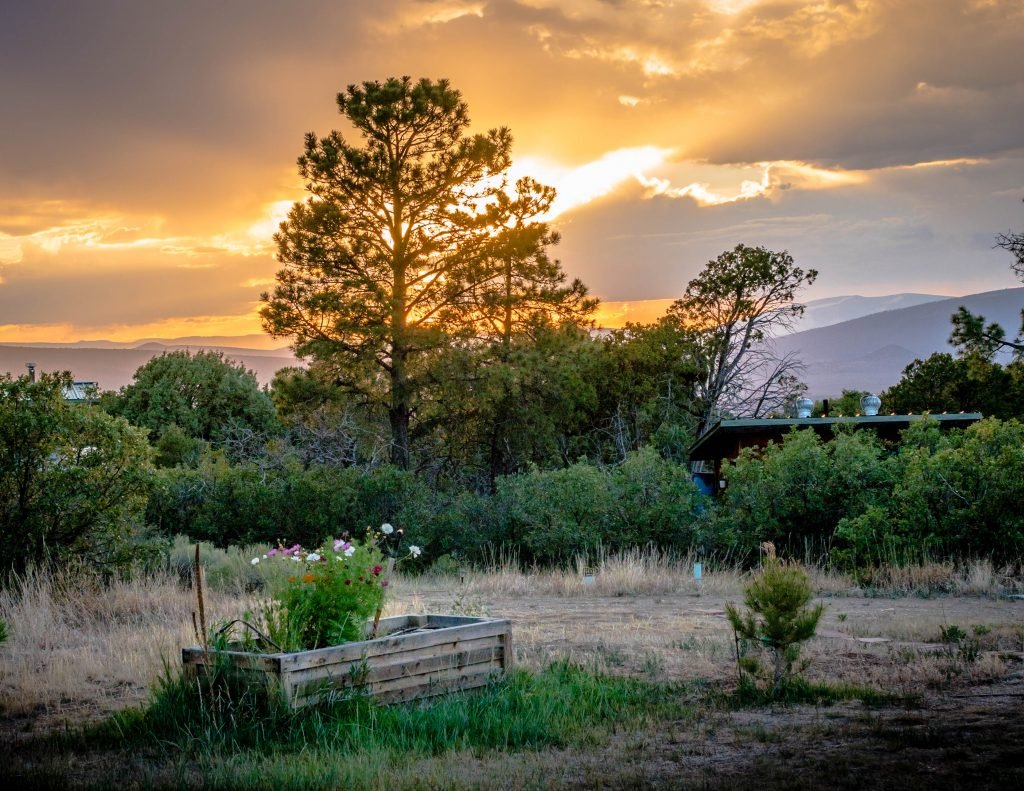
(404, 243)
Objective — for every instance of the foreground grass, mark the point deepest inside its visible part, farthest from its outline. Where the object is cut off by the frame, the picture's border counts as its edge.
(252, 740)
(510, 734)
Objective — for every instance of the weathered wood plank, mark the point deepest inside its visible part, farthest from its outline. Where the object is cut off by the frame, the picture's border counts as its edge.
(399, 666)
(441, 688)
(244, 660)
(409, 688)
(405, 689)
(508, 658)
(452, 652)
(393, 623)
(451, 635)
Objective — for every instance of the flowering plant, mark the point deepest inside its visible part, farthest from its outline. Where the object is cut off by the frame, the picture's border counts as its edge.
(325, 596)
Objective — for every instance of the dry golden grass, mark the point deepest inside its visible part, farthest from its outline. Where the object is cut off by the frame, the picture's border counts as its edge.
(76, 642)
(974, 577)
(80, 648)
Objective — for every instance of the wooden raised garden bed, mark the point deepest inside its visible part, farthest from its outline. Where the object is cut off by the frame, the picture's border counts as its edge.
(413, 656)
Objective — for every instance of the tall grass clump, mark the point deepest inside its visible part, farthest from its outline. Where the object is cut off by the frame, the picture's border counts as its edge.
(561, 706)
(74, 635)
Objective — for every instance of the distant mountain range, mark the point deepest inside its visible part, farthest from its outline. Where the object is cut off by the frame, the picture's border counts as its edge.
(870, 352)
(262, 344)
(847, 343)
(833, 310)
(113, 365)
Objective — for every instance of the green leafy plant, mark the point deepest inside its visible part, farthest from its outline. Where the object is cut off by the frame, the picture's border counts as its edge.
(325, 596)
(966, 649)
(778, 619)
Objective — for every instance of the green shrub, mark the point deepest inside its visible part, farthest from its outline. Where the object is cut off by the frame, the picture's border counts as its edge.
(778, 619)
(557, 514)
(73, 480)
(955, 494)
(655, 502)
(794, 494)
(248, 503)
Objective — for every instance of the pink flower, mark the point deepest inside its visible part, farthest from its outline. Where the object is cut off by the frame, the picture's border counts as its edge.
(271, 552)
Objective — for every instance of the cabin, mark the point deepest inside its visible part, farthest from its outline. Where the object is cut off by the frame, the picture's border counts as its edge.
(83, 392)
(726, 438)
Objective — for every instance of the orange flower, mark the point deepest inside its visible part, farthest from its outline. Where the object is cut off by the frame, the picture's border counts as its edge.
(308, 578)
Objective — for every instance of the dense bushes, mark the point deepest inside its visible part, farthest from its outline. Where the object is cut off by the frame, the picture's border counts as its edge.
(73, 480)
(76, 483)
(957, 494)
(547, 516)
(936, 494)
(246, 503)
(795, 493)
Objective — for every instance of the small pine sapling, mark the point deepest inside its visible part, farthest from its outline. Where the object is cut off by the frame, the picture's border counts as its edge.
(778, 617)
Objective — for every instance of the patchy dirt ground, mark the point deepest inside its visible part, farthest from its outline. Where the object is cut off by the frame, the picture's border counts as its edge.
(961, 727)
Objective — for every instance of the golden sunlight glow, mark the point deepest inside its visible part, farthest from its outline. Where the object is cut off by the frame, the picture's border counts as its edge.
(731, 7)
(114, 233)
(276, 213)
(653, 168)
(613, 315)
(815, 28)
(766, 178)
(10, 249)
(432, 12)
(586, 183)
(651, 64)
(164, 328)
(940, 163)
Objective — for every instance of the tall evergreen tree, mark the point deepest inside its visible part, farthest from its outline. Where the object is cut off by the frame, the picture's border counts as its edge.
(396, 252)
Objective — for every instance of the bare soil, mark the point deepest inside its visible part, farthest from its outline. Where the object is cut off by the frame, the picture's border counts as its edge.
(958, 723)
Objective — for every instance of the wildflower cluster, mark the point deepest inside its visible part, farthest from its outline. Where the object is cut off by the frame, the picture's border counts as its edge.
(325, 596)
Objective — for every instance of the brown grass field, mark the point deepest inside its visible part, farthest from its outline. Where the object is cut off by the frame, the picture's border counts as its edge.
(79, 651)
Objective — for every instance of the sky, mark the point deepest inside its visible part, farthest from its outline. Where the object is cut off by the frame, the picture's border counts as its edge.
(148, 149)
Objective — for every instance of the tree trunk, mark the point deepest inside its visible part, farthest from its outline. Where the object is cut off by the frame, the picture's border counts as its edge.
(399, 412)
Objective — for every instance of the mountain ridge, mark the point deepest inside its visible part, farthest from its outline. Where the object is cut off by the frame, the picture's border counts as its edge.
(845, 355)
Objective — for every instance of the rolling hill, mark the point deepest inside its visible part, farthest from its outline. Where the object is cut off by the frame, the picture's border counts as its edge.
(870, 352)
(866, 352)
(113, 368)
(833, 310)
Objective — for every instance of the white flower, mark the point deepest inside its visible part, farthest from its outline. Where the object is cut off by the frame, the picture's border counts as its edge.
(350, 552)
(296, 557)
(337, 557)
(255, 561)
(313, 557)
(414, 550)
(387, 529)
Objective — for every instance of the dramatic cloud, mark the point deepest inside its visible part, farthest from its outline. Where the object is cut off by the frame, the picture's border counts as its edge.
(149, 149)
